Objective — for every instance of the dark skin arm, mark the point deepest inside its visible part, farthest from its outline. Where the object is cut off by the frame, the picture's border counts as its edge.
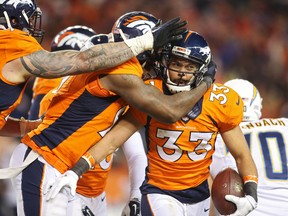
(149, 99)
(18, 127)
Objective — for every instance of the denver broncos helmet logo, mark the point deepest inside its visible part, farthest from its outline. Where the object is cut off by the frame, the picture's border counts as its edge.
(15, 3)
(142, 23)
(72, 39)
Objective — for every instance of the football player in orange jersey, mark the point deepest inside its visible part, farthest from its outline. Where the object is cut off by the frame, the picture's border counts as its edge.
(81, 112)
(268, 143)
(70, 38)
(74, 37)
(23, 57)
(179, 154)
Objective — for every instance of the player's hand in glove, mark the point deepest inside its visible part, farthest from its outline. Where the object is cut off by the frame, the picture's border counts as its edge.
(209, 75)
(68, 179)
(168, 32)
(244, 204)
(132, 208)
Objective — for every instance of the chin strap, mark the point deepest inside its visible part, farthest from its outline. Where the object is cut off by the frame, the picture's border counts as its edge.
(8, 21)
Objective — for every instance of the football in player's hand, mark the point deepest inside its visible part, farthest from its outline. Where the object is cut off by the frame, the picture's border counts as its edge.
(228, 181)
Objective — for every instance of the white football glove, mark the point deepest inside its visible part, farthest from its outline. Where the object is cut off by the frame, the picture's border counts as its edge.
(244, 204)
(68, 179)
(132, 208)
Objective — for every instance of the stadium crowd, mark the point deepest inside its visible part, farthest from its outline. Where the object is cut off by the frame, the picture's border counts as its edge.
(248, 38)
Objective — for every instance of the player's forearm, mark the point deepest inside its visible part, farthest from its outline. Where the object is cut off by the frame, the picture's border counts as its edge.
(116, 137)
(248, 171)
(11, 128)
(106, 146)
(246, 166)
(70, 62)
(18, 127)
(180, 104)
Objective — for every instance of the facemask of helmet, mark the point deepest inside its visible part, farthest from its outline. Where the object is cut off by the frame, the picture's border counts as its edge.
(72, 38)
(193, 47)
(23, 15)
(250, 96)
(133, 24)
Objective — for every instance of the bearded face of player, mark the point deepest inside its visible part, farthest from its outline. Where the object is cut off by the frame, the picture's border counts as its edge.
(181, 72)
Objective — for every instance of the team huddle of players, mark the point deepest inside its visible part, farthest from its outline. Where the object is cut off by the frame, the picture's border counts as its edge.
(93, 93)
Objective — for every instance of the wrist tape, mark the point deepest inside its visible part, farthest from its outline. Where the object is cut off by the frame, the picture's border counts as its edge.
(250, 178)
(81, 167)
(250, 186)
(89, 159)
(141, 43)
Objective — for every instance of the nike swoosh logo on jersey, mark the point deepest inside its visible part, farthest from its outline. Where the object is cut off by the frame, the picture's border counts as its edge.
(103, 198)
(238, 102)
(205, 210)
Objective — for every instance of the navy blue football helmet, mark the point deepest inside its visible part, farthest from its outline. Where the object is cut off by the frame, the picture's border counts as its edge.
(23, 15)
(133, 24)
(192, 47)
(97, 39)
(72, 38)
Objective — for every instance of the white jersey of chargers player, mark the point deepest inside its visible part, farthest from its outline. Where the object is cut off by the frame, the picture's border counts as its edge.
(268, 142)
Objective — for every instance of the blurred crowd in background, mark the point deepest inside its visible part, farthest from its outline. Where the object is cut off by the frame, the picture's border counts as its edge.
(249, 40)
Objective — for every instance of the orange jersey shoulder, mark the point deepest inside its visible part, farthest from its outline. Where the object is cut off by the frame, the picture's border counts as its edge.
(43, 86)
(224, 106)
(131, 66)
(186, 147)
(13, 45)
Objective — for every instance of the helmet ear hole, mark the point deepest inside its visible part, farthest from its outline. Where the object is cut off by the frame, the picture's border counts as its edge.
(14, 21)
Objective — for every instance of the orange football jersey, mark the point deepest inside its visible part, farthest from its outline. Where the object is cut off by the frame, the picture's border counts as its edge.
(80, 114)
(13, 44)
(46, 88)
(179, 154)
(43, 86)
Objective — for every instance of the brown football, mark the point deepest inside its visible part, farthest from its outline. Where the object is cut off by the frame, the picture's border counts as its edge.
(228, 181)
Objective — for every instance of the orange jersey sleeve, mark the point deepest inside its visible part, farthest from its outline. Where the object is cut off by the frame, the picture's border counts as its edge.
(80, 113)
(179, 154)
(131, 67)
(45, 102)
(43, 86)
(13, 45)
